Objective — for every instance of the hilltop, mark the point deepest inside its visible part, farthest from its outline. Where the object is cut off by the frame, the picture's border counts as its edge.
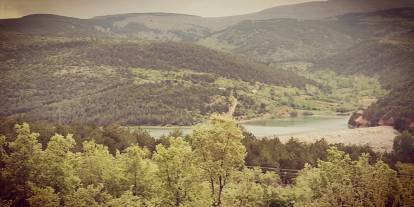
(150, 68)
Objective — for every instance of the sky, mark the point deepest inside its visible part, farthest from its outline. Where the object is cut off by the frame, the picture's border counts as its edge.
(91, 8)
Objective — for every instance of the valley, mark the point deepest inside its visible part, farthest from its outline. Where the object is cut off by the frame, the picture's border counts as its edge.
(311, 66)
(307, 104)
(168, 83)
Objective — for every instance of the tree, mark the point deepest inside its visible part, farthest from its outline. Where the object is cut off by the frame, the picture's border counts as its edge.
(3, 153)
(91, 196)
(98, 166)
(404, 147)
(57, 168)
(127, 199)
(138, 171)
(343, 182)
(44, 197)
(217, 144)
(178, 172)
(251, 187)
(21, 165)
(406, 172)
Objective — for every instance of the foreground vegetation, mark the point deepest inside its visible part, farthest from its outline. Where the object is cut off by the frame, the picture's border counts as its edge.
(208, 168)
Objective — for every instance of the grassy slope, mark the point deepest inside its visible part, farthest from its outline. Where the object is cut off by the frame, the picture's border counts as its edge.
(67, 80)
(44, 74)
(390, 55)
(373, 44)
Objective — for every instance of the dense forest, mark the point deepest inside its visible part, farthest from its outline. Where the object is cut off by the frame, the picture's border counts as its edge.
(129, 82)
(64, 69)
(374, 44)
(217, 165)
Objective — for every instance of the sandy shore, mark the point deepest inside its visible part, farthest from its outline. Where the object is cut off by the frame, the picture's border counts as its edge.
(379, 138)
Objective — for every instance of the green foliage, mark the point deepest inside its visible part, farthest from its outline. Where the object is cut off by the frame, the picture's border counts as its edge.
(217, 144)
(109, 80)
(281, 40)
(139, 172)
(92, 195)
(404, 147)
(58, 165)
(391, 62)
(396, 109)
(43, 197)
(406, 172)
(97, 166)
(21, 165)
(207, 170)
(252, 187)
(113, 136)
(179, 173)
(294, 154)
(127, 199)
(342, 182)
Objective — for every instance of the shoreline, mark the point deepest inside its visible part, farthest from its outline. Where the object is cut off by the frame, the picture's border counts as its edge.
(380, 138)
(242, 121)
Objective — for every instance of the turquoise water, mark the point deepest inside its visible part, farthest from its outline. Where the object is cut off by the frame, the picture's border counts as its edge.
(275, 127)
(297, 125)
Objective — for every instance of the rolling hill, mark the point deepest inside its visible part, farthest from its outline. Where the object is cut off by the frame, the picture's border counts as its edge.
(389, 53)
(149, 70)
(181, 27)
(112, 80)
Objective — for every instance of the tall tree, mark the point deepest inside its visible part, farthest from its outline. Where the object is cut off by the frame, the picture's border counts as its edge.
(21, 165)
(57, 169)
(98, 166)
(404, 147)
(217, 144)
(178, 171)
(138, 170)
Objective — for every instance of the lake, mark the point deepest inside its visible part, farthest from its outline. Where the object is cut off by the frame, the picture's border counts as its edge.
(275, 127)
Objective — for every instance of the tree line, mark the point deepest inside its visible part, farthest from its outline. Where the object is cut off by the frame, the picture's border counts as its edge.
(207, 168)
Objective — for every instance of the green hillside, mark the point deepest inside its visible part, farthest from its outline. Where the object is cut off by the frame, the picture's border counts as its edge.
(279, 40)
(107, 69)
(104, 81)
(64, 79)
(371, 44)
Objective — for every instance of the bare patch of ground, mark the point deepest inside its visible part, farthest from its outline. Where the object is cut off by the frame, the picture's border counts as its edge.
(379, 138)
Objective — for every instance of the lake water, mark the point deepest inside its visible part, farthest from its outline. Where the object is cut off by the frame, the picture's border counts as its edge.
(275, 127)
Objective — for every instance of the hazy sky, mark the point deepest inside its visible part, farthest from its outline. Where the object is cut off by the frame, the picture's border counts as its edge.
(90, 8)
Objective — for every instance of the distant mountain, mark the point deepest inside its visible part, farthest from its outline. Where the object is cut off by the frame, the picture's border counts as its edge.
(180, 27)
(279, 40)
(322, 9)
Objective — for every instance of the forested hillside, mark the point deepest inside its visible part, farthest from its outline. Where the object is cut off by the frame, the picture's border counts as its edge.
(135, 82)
(277, 40)
(373, 44)
(111, 80)
(389, 55)
(65, 69)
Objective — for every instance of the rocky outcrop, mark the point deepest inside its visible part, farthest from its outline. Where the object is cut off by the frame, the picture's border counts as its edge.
(358, 120)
